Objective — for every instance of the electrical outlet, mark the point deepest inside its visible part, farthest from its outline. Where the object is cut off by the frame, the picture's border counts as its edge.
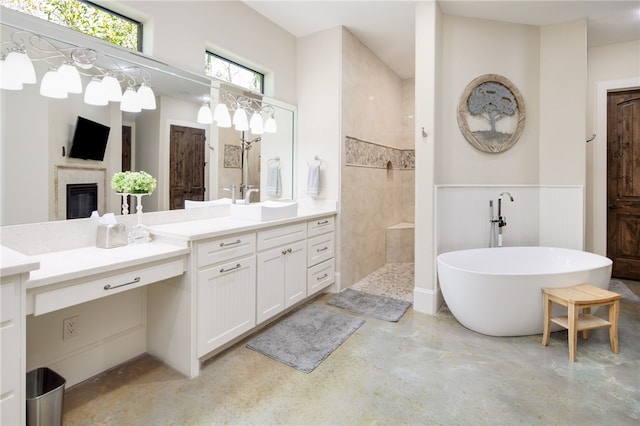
(70, 327)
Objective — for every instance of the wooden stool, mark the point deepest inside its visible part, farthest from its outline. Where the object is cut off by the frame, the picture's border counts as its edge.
(585, 296)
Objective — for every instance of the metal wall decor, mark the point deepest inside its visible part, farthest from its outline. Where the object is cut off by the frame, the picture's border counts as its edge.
(491, 113)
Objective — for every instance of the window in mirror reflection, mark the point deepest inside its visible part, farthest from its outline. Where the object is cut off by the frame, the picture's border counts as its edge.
(85, 17)
(232, 72)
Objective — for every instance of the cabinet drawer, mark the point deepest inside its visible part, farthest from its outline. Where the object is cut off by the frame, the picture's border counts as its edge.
(75, 294)
(223, 249)
(320, 276)
(321, 226)
(282, 235)
(320, 248)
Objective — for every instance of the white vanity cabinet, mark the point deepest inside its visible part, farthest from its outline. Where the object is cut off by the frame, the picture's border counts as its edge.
(320, 254)
(226, 294)
(12, 373)
(282, 269)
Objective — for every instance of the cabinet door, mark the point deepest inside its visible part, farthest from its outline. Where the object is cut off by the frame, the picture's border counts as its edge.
(270, 289)
(10, 404)
(282, 279)
(226, 302)
(295, 281)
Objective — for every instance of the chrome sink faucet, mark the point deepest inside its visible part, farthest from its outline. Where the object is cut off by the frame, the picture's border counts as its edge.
(232, 190)
(247, 193)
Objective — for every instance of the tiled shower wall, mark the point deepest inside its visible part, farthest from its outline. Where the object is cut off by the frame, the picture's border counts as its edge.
(377, 173)
(379, 194)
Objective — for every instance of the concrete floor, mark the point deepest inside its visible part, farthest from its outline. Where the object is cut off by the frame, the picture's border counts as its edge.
(422, 370)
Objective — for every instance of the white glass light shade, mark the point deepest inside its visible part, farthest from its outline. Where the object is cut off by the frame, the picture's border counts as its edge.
(23, 66)
(94, 94)
(221, 115)
(147, 97)
(9, 80)
(70, 78)
(52, 85)
(130, 101)
(240, 121)
(270, 125)
(256, 124)
(112, 88)
(204, 115)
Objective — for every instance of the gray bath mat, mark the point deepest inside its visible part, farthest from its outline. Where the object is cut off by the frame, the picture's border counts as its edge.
(306, 338)
(622, 289)
(381, 307)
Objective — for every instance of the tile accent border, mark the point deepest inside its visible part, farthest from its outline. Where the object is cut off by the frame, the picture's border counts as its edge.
(361, 153)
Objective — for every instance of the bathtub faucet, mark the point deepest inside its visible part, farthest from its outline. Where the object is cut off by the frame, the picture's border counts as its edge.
(501, 221)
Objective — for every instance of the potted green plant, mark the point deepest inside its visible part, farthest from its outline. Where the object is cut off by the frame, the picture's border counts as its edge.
(133, 182)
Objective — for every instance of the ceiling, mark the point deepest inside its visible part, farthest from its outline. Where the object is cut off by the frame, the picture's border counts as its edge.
(387, 27)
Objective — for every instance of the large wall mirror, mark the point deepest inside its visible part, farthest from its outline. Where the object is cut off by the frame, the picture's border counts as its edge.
(36, 170)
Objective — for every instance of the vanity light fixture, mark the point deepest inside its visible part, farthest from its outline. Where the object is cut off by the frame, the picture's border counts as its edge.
(146, 96)
(22, 67)
(67, 65)
(221, 115)
(240, 122)
(255, 124)
(130, 101)
(270, 125)
(242, 107)
(111, 87)
(70, 78)
(52, 85)
(95, 94)
(204, 114)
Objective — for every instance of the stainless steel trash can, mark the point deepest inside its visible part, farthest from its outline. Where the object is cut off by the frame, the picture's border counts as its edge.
(45, 397)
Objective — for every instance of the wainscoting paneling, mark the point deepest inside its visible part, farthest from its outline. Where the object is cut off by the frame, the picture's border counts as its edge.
(549, 216)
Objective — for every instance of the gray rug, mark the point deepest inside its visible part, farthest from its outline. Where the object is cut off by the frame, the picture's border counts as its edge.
(621, 288)
(381, 307)
(306, 338)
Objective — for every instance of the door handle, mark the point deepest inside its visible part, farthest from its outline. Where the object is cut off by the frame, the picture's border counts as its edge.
(613, 206)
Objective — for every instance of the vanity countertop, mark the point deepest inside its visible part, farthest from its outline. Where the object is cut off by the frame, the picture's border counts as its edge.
(221, 226)
(82, 262)
(14, 263)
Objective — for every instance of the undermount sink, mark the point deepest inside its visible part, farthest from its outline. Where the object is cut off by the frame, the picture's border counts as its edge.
(266, 210)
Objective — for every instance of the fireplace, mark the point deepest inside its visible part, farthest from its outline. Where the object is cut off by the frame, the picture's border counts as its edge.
(82, 200)
(71, 175)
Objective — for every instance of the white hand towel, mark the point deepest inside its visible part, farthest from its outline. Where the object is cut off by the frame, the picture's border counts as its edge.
(274, 183)
(313, 180)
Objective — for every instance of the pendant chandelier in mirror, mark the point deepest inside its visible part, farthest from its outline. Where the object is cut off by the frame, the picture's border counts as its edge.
(243, 112)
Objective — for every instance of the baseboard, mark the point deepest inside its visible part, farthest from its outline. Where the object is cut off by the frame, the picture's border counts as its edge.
(427, 301)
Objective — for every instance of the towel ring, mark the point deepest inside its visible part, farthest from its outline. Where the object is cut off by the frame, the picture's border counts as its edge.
(274, 160)
(318, 159)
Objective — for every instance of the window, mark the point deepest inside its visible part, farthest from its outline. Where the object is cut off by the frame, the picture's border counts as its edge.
(232, 72)
(84, 17)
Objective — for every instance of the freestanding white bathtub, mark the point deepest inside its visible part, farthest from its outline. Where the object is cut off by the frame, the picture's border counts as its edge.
(497, 291)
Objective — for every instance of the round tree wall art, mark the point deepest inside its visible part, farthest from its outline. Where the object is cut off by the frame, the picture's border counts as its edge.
(491, 113)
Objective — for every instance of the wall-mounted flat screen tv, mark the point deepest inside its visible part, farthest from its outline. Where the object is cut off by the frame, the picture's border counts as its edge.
(89, 140)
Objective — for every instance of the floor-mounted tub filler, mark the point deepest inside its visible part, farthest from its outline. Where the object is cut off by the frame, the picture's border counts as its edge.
(498, 291)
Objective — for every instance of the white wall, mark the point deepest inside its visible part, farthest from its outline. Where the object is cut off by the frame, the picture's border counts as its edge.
(319, 119)
(179, 32)
(563, 99)
(428, 97)
(471, 48)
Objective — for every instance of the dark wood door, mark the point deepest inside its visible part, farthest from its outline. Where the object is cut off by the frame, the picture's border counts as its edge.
(126, 148)
(623, 183)
(186, 176)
